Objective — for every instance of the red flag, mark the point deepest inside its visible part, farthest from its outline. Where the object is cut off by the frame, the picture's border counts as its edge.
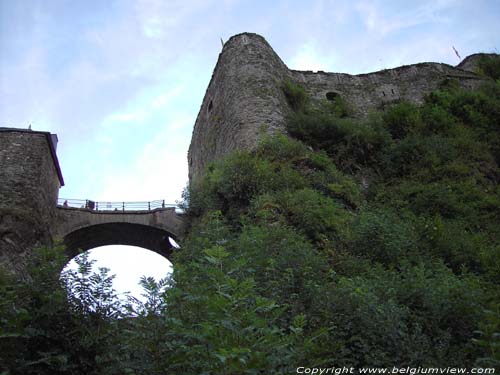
(456, 52)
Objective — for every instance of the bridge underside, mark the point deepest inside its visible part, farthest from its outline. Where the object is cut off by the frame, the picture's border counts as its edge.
(92, 236)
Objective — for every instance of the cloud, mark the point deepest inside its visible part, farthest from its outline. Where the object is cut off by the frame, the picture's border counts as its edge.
(165, 98)
(159, 171)
(381, 21)
(308, 57)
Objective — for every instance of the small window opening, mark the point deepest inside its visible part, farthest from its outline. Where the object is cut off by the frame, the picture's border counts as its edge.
(332, 96)
(383, 93)
(392, 90)
(210, 106)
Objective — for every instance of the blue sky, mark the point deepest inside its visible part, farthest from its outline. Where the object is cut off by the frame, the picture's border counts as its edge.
(121, 82)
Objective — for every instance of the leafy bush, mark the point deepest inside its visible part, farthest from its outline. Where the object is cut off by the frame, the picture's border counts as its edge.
(382, 236)
(489, 66)
(338, 107)
(231, 183)
(352, 144)
(46, 330)
(296, 96)
(402, 120)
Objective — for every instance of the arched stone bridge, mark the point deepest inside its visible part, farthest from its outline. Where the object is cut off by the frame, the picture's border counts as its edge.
(84, 228)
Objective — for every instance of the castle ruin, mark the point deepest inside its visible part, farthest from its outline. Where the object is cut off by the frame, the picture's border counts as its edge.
(245, 95)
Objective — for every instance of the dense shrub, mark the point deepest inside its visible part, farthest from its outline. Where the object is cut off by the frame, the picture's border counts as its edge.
(402, 120)
(383, 236)
(489, 66)
(351, 144)
(296, 96)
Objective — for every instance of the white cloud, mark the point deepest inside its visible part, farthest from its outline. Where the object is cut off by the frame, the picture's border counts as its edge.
(159, 171)
(381, 21)
(138, 116)
(309, 58)
(163, 99)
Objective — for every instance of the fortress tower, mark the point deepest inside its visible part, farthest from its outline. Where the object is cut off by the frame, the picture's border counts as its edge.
(30, 178)
(245, 95)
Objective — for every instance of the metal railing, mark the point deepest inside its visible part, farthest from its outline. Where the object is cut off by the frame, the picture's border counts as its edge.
(113, 206)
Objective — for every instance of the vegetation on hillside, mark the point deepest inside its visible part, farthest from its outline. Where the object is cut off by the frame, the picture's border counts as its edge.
(355, 243)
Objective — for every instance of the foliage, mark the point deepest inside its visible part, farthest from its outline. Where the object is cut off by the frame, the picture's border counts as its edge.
(351, 144)
(489, 65)
(279, 164)
(402, 119)
(489, 337)
(296, 96)
(338, 107)
(384, 236)
(45, 330)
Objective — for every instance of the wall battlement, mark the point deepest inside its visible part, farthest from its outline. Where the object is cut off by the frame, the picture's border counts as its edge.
(245, 96)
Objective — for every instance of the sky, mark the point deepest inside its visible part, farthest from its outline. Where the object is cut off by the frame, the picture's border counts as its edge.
(121, 81)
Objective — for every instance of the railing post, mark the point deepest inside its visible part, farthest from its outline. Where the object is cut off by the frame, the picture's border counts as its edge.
(149, 206)
(123, 206)
(97, 206)
(163, 204)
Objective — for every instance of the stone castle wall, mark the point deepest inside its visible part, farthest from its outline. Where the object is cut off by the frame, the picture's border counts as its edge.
(245, 96)
(30, 181)
(372, 91)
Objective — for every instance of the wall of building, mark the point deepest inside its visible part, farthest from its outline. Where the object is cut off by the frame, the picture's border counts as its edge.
(30, 181)
(245, 96)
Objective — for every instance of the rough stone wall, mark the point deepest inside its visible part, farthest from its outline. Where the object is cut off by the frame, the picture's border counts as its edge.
(245, 97)
(470, 63)
(29, 186)
(372, 91)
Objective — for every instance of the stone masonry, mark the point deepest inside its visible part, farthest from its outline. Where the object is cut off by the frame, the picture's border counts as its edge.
(83, 229)
(30, 179)
(245, 96)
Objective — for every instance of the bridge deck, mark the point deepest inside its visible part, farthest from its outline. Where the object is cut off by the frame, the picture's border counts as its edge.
(114, 206)
(147, 225)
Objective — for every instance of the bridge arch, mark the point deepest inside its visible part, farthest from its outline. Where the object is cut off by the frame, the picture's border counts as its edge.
(118, 233)
(83, 229)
